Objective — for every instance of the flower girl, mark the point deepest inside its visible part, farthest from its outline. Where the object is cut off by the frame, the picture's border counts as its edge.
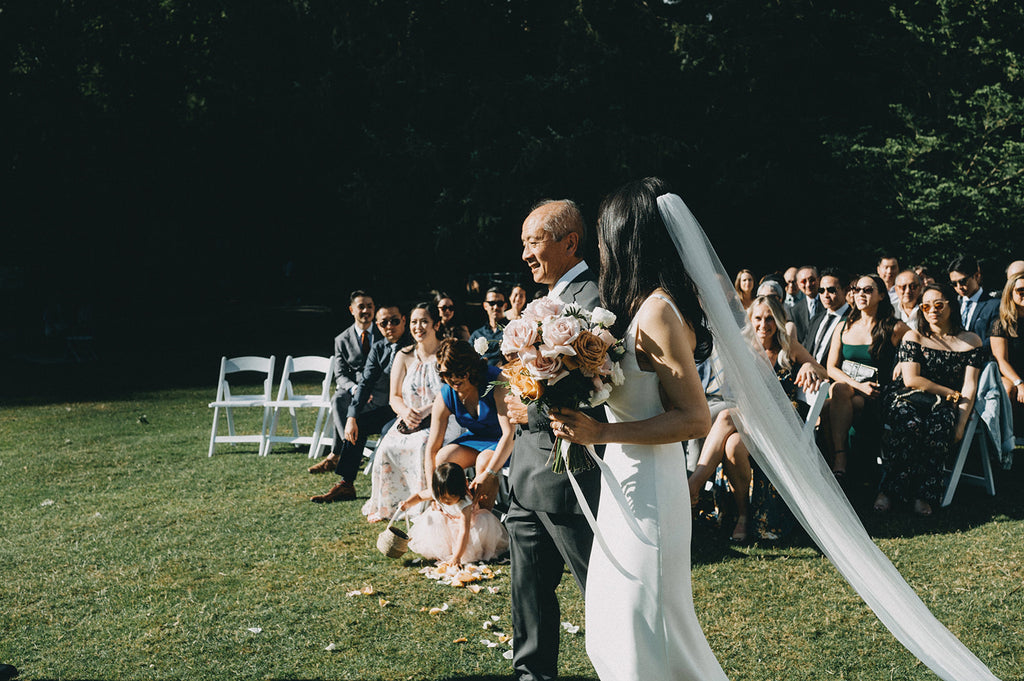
(455, 529)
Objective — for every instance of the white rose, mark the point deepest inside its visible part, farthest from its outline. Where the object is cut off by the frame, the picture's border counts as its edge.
(481, 345)
(618, 378)
(599, 397)
(602, 317)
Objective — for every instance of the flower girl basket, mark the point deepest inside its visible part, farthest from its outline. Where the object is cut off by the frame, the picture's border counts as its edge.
(393, 542)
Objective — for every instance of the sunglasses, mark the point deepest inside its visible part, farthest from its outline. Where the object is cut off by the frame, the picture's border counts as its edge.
(939, 306)
(445, 307)
(828, 289)
(867, 290)
(959, 282)
(907, 287)
(390, 321)
(445, 375)
(494, 303)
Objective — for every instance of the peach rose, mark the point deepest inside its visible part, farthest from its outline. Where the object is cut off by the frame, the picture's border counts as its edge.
(548, 369)
(559, 333)
(591, 352)
(541, 309)
(521, 383)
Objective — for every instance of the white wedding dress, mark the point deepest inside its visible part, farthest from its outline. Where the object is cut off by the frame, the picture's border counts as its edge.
(641, 624)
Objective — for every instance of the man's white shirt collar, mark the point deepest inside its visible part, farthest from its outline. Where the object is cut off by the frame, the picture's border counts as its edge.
(559, 287)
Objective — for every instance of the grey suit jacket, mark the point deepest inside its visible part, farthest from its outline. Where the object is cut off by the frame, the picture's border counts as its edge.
(799, 315)
(533, 484)
(350, 356)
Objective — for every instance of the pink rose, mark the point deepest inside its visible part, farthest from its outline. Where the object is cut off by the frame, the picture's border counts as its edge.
(558, 334)
(548, 369)
(518, 335)
(542, 308)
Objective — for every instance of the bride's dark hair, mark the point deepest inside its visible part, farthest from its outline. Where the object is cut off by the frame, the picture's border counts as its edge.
(638, 256)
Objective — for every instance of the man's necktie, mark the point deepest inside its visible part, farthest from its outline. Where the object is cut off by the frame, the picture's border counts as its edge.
(364, 342)
(825, 324)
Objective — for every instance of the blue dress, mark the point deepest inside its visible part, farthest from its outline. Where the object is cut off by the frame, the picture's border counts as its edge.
(484, 431)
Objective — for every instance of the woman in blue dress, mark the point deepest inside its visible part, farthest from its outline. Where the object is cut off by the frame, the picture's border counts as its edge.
(487, 444)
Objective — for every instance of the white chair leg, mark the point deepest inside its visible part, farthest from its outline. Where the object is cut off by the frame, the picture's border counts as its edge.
(213, 435)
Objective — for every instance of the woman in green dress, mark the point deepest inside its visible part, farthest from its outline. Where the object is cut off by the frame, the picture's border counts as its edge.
(865, 348)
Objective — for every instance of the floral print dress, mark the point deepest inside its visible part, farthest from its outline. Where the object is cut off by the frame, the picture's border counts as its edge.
(398, 462)
(917, 440)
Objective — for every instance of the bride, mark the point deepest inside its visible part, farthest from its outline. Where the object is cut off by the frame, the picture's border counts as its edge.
(639, 604)
(640, 615)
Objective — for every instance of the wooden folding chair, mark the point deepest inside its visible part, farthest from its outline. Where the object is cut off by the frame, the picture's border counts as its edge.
(228, 401)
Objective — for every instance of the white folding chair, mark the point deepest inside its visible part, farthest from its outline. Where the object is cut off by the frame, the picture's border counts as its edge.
(957, 474)
(815, 400)
(228, 401)
(287, 399)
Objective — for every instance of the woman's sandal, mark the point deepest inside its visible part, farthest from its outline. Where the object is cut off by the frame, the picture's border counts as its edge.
(882, 503)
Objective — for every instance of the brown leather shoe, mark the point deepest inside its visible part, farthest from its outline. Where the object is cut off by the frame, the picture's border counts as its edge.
(326, 465)
(343, 491)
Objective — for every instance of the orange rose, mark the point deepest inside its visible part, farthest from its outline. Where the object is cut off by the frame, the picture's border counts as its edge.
(521, 383)
(591, 351)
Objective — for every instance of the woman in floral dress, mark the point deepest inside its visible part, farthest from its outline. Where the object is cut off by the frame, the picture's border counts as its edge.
(398, 462)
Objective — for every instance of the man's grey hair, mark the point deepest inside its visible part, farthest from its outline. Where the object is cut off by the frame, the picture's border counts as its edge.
(566, 220)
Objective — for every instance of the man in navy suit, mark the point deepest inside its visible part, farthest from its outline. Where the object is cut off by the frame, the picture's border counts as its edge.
(545, 523)
(351, 347)
(370, 410)
(977, 310)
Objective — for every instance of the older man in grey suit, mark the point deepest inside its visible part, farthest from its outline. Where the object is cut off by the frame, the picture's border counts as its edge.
(351, 347)
(545, 523)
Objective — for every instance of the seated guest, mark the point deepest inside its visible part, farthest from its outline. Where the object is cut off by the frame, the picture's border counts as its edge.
(977, 310)
(451, 325)
(792, 290)
(1008, 344)
(488, 444)
(744, 285)
(770, 287)
(398, 461)
(806, 312)
(491, 332)
(926, 409)
(908, 293)
(351, 347)
(795, 368)
(924, 275)
(832, 296)
(1014, 268)
(866, 348)
(369, 411)
(516, 303)
(888, 268)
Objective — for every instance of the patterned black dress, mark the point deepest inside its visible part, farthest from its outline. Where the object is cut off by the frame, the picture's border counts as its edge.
(918, 440)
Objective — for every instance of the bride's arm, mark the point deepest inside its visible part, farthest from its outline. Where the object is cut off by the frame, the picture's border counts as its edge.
(668, 345)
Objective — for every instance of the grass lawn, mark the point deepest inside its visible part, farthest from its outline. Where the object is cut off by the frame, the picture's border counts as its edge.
(126, 553)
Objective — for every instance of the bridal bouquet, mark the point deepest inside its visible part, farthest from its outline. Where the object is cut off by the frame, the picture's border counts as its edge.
(562, 357)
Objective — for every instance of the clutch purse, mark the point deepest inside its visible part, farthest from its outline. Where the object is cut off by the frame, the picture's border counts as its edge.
(406, 430)
(920, 399)
(862, 373)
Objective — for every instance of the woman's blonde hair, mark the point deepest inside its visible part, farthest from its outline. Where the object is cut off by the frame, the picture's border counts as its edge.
(781, 337)
(1008, 316)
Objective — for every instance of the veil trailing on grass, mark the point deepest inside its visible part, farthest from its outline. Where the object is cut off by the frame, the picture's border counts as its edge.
(792, 462)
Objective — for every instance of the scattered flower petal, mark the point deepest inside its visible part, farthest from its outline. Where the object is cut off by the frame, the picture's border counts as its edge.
(495, 618)
(493, 589)
(357, 592)
(475, 588)
(367, 590)
(488, 643)
(330, 647)
(570, 627)
(48, 502)
(382, 602)
(488, 625)
(255, 630)
(504, 638)
(507, 654)
(463, 639)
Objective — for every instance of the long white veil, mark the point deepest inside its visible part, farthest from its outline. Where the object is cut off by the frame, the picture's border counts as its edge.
(796, 468)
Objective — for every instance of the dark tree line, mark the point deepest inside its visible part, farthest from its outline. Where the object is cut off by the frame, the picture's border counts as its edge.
(156, 152)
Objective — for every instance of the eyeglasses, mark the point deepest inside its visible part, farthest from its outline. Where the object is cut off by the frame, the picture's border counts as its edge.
(908, 287)
(939, 306)
(445, 307)
(389, 321)
(494, 303)
(958, 283)
(832, 290)
(866, 290)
